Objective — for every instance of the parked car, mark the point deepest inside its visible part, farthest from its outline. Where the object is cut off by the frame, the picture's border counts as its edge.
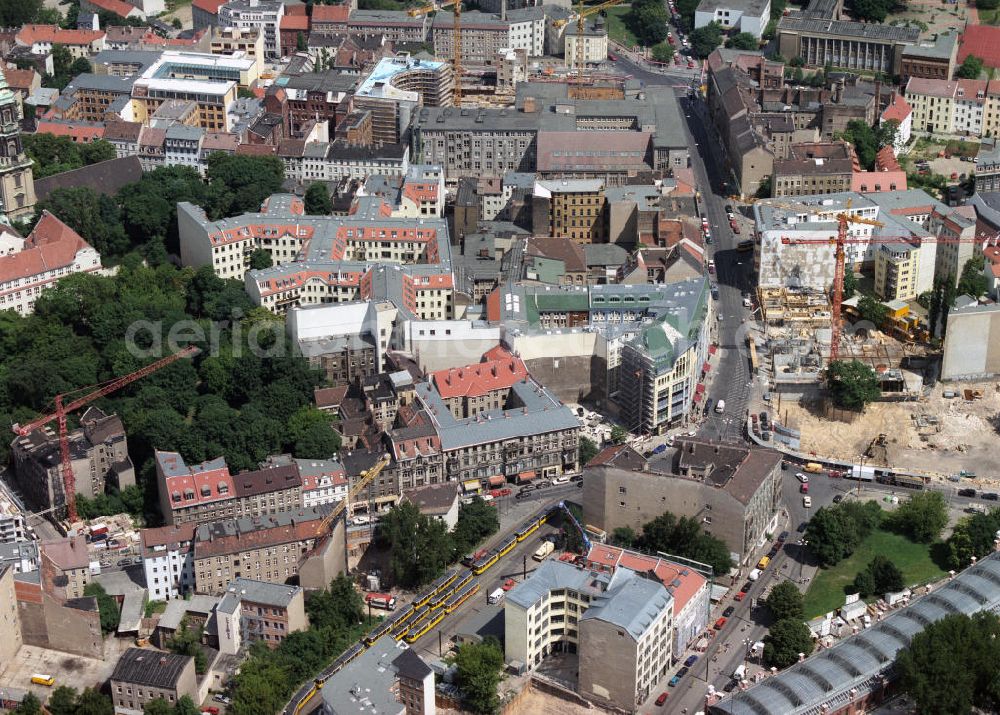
(966, 492)
(691, 660)
(509, 584)
(990, 496)
(802, 477)
(839, 498)
(720, 624)
(662, 699)
(683, 671)
(740, 596)
(729, 611)
(210, 709)
(674, 680)
(782, 536)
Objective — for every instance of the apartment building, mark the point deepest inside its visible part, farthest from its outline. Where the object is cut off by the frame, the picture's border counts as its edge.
(40, 39)
(484, 35)
(947, 106)
(734, 492)
(951, 256)
(470, 390)
(621, 625)
(262, 15)
(65, 566)
(208, 491)
(99, 455)
(311, 97)
(252, 611)
(396, 25)
(246, 40)
(267, 548)
(168, 561)
(29, 266)
(814, 168)
(897, 267)
(324, 481)
(330, 19)
(143, 675)
(12, 524)
(593, 43)
(575, 208)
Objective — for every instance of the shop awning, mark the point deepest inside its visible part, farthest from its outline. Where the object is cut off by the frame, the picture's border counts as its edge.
(471, 485)
(526, 476)
(712, 349)
(706, 367)
(697, 397)
(699, 388)
(497, 481)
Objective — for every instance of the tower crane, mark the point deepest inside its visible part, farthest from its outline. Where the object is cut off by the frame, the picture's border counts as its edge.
(63, 408)
(456, 60)
(581, 14)
(365, 479)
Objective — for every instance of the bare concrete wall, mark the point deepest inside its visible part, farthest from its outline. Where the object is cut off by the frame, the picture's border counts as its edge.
(328, 561)
(572, 379)
(607, 664)
(74, 628)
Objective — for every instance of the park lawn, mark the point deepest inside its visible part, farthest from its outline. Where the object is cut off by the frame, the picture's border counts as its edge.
(617, 30)
(826, 592)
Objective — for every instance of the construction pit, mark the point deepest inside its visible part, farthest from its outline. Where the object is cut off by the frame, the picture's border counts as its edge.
(931, 434)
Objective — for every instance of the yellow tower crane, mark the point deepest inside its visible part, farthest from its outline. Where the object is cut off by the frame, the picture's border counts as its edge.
(581, 14)
(456, 60)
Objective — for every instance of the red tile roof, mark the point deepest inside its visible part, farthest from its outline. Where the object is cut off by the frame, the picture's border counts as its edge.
(331, 13)
(682, 582)
(79, 132)
(263, 535)
(166, 536)
(69, 554)
(51, 245)
(992, 255)
(118, 7)
(20, 79)
(209, 6)
(983, 41)
(294, 22)
(898, 109)
(30, 34)
(198, 484)
(477, 380)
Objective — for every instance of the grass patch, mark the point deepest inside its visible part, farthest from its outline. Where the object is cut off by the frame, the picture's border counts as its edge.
(826, 592)
(617, 30)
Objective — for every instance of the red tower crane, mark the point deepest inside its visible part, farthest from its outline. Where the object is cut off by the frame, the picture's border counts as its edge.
(69, 481)
(842, 240)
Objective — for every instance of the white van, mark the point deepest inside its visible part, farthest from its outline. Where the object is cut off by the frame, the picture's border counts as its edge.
(720, 406)
(560, 480)
(496, 596)
(754, 575)
(740, 671)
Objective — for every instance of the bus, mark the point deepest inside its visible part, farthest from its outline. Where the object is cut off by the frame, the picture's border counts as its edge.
(385, 601)
(414, 635)
(461, 597)
(43, 679)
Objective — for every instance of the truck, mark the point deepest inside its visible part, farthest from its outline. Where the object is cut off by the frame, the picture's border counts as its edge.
(385, 601)
(813, 467)
(862, 474)
(543, 551)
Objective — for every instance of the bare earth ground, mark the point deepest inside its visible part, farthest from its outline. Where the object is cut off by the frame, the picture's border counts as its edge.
(538, 703)
(965, 439)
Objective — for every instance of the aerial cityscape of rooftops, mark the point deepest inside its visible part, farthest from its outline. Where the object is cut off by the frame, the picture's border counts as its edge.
(512, 357)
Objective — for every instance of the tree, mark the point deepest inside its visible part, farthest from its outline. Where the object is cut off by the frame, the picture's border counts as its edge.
(479, 667)
(94, 216)
(987, 4)
(835, 531)
(785, 640)
(588, 450)
(881, 576)
(93, 702)
(14, 13)
(705, 39)
(62, 701)
(686, 9)
(97, 150)
(30, 705)
(420, 545)
(317, 200)
(186, 706)
(743, 41)
(922, 517)
(685, 537)
(176, 23)
(81, 65)
(624, 536)
(476, 522)
(239, 183)
(951, 666)
(51, 154)
(972, 281)
(663, 52)
(647, 19)
(865, 141)
(300, 42)
(785, 601)
(972, 536)
(970, 68)
(850, 283)
(852, 384)
(187, 641)
(107, 606)
(871, 10)
(339, 606)
(873, 311)
(618, 434)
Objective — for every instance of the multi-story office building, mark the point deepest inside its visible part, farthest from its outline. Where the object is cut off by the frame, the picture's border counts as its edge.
(397, 26)
(897, 267)
(394, 90)
(311, 97)
(208, 491)
(265, 548)
(143, 675)
(263, 15)
(734, 492)
(91, 97)
(252, 611)
(750, 16)
(99, 455)
(485, 34)
(168, 561)
(621, 626)
(931, 60)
